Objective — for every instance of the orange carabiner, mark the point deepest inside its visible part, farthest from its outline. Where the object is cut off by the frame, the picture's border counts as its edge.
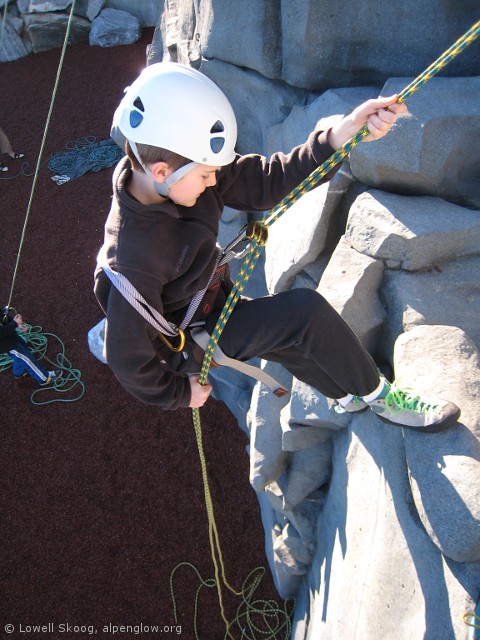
(181, 335)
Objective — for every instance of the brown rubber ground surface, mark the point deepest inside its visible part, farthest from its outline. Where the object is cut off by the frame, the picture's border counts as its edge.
(103, 497)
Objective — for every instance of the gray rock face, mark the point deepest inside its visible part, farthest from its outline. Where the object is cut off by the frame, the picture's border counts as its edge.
(311, 34)
(47, 30)
(318, 47)
(45, 6)
(12, 47)
(113, 27)
(352, 279)
(411, 233)
(147, 12)
(254, 28)
(436, 150)
(445, 471)
(439, 296)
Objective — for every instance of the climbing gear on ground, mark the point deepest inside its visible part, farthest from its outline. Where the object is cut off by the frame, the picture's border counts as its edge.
(63, 388)
(202, 338)
(158, 110)
(52, 375)
(37, 341)
(83, 155)
(404, 408)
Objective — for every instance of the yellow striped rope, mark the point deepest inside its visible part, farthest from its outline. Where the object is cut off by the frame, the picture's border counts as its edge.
(251, 260)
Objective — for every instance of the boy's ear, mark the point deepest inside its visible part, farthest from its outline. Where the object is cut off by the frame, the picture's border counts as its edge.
(160, 171)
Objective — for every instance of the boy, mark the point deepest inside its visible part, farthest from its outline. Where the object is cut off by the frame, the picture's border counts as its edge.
(169, 192)
(24, 362)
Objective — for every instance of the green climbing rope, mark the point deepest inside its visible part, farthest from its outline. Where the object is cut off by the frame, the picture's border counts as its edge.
(68, 388)
(42, 146)
(254, 618)
(250, 261)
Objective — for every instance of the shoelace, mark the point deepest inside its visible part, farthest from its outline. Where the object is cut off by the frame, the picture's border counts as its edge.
(397, 400)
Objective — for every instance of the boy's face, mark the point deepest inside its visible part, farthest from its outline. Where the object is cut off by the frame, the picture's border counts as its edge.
(188, 189)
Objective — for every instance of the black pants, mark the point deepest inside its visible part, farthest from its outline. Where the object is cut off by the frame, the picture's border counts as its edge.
(300, 330)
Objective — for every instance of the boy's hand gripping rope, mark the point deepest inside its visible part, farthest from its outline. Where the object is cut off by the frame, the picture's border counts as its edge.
(253, 253)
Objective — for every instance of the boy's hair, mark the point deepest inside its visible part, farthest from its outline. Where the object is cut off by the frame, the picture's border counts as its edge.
(150, 154)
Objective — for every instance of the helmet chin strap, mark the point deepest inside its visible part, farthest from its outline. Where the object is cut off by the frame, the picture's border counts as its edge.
(163, 188)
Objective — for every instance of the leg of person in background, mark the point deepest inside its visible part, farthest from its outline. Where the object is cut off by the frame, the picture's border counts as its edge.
(24, 362)
(7, 149)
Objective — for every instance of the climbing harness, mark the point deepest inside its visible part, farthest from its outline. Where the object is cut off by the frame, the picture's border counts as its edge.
(167, 330)
(74, 377)
(252, 254)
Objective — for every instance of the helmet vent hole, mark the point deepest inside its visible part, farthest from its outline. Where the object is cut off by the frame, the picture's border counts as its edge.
(217, 127)
(139, 104)
(135, 119)
(216, 144)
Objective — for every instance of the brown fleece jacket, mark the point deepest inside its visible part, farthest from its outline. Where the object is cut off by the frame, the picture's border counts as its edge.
(168, 253)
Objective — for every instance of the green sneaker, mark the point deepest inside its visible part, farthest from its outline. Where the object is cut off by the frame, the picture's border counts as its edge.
(404, 408)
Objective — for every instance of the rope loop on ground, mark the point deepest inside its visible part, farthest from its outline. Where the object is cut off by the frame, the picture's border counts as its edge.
(254, 618)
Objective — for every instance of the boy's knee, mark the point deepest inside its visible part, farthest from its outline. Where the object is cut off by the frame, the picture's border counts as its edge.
(307, 300)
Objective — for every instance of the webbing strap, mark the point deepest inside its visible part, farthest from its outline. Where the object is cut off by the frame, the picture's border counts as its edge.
(138, 302)
(202, 338)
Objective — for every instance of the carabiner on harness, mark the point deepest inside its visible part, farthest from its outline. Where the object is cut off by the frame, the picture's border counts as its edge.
(165, 340)
(254, 230)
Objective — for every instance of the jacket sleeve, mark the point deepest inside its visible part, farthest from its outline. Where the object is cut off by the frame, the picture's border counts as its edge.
(7, 330)
(139, 359)
(255, 183)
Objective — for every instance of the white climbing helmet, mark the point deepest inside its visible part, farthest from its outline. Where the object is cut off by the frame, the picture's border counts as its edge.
(178, 108)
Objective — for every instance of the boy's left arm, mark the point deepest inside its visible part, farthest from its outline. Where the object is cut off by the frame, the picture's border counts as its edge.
(379, 115)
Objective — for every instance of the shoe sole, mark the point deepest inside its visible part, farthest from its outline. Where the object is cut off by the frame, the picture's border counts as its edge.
(448, 423)
(357, 411)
